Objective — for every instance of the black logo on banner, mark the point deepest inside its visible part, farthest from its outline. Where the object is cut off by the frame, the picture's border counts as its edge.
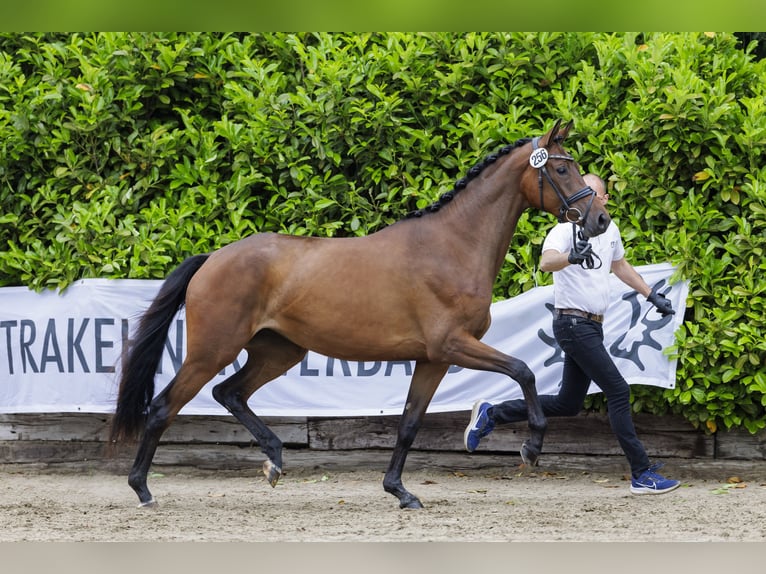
(650, 325)
(617, 348)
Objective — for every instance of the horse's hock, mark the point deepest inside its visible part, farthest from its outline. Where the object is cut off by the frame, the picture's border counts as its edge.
(219, 442)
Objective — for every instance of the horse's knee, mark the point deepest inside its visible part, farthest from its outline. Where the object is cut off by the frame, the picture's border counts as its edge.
(222, 394)
(524, 376)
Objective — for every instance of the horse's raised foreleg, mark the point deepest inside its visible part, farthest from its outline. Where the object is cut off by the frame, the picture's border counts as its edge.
(530, 450)
(425, 380)
(268, 356)
(471, 353)
(229, 395)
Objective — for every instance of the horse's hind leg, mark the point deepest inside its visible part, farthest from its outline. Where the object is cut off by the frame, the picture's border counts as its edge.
(156, 423)
(425, 380)
(269, 356)
(162, 411)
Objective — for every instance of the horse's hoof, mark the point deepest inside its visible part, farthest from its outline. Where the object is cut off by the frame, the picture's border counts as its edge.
(272, 472)
(151, 503)
(528, 457)
(411, 503)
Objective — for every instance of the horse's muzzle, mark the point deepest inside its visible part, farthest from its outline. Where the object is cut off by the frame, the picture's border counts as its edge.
(596, 224)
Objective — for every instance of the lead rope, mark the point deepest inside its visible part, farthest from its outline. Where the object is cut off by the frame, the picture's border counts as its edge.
(589, 262)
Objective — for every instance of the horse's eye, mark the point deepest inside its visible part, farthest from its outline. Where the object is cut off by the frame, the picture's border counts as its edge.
(561, 170)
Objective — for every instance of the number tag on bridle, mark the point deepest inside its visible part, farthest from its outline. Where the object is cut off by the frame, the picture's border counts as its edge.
(538, 158)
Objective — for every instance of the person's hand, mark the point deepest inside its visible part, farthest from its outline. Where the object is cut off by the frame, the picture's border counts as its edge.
(582, 251)
(663, 305)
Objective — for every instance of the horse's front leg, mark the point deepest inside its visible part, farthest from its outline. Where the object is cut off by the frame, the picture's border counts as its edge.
(531, 449)
(425, 380)
(471, 353)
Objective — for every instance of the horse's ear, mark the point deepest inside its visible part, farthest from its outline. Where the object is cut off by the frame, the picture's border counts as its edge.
(563, 133)
(547, 139)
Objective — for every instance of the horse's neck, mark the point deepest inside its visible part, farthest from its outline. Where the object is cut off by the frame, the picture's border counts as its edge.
(482, 218)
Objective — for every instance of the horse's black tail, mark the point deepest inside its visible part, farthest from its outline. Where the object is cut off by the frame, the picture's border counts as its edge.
(140, 363)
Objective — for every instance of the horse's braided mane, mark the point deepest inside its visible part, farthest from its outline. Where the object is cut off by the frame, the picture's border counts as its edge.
(461, 184)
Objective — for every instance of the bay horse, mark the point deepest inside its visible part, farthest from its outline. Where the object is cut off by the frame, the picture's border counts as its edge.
(418, 290)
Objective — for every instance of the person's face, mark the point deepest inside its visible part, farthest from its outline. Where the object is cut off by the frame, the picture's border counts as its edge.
(597, 186)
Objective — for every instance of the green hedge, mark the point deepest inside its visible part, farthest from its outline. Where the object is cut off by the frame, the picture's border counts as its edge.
(122, 154)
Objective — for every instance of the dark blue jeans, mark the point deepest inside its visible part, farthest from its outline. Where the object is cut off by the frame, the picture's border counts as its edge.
(585, 360)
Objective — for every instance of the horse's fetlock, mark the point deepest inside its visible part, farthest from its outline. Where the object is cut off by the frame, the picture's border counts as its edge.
(539, 427)
(392, 486)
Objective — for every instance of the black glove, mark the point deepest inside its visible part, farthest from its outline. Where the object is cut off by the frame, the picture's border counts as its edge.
(664, 307)
(582, 251)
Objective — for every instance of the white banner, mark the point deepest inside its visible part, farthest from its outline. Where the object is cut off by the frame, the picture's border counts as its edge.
(60, 353)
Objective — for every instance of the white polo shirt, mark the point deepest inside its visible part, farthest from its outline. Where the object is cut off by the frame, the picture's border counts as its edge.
(584, 289)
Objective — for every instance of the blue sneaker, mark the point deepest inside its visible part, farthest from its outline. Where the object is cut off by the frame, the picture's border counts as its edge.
(479, 426)
(650, 482)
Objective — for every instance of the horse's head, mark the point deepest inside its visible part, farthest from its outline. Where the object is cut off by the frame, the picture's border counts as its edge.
(556, 185)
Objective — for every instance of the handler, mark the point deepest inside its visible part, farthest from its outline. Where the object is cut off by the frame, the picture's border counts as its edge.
(581, 295)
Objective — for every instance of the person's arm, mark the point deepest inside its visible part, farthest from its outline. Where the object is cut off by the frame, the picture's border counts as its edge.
(627, 274)
(553, 260)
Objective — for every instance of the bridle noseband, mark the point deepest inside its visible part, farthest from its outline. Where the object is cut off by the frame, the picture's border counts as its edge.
(538, 160)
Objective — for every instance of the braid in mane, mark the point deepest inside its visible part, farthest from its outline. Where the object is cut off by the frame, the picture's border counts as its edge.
(462, 183)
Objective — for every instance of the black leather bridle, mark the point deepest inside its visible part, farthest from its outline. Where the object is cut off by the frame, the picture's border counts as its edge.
(567, 213)
(538, 160)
